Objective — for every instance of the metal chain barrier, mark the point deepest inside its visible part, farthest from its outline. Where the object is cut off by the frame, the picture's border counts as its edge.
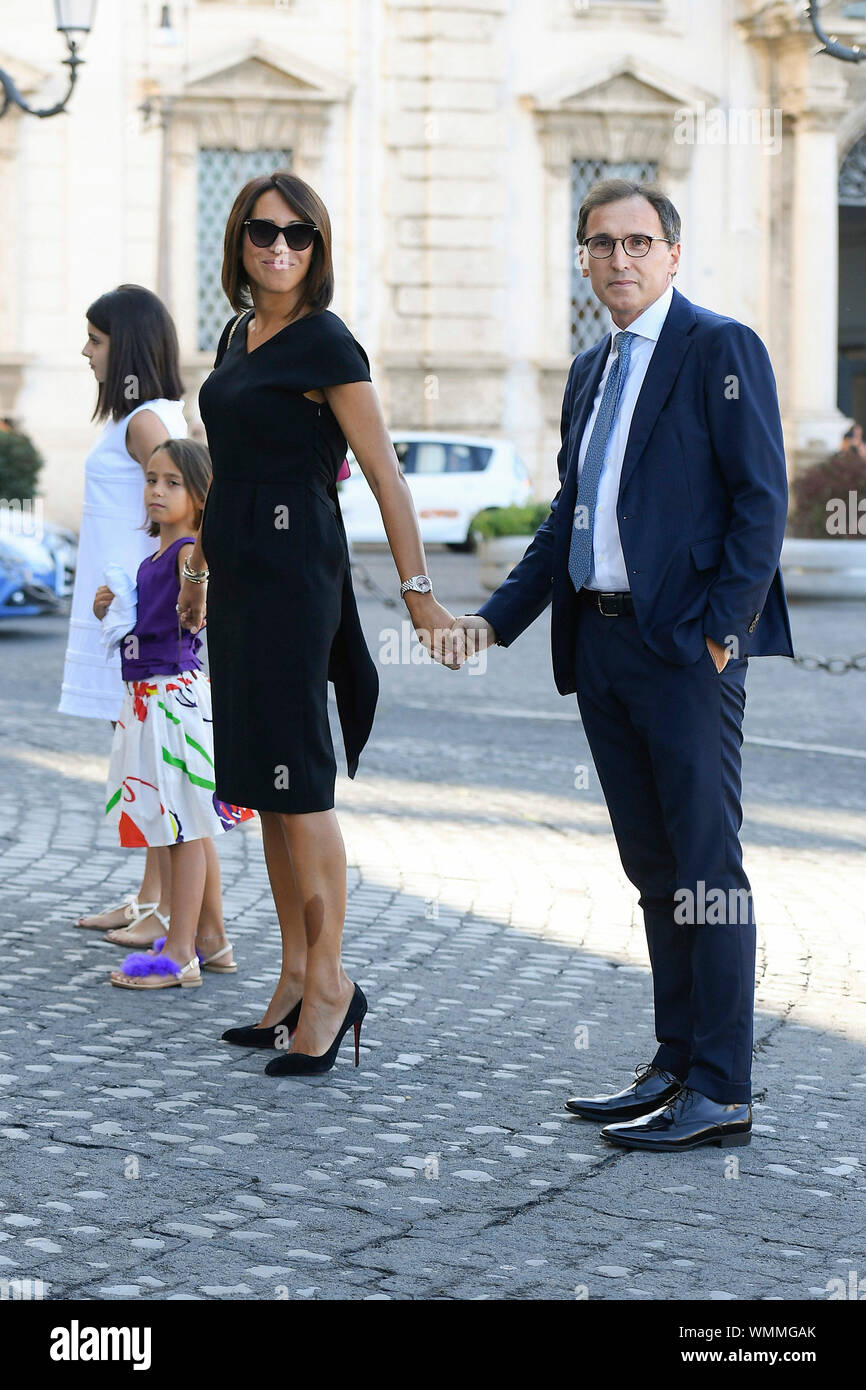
(836, 665)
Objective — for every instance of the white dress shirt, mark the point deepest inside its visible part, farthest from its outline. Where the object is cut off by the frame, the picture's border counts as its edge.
(608, 570)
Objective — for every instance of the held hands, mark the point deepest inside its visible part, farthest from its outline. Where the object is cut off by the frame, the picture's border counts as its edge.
(192, 605)
(471, 634)
(102, 600)
(449, 640)
(433, 627)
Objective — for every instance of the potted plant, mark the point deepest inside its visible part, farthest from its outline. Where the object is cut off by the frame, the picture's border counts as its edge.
(20, 464)
(828, 505)
(502, 535)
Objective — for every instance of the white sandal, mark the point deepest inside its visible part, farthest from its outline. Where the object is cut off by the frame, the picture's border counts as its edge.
(153, 911)
(133, 911)
(206, 964)
(220, 969)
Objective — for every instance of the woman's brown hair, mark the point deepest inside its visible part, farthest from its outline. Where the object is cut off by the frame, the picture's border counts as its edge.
(317, 290)
(192, 461)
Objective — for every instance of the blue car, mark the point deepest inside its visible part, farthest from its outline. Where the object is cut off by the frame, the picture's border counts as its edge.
(36, 572)
(23, 594)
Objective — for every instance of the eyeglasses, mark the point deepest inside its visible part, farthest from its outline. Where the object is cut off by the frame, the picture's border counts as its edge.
(299, 235)
(601, 248)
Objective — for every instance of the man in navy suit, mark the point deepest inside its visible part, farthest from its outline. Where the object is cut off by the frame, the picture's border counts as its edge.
(661, 558)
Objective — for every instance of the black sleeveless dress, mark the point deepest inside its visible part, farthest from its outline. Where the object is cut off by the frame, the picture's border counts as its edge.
(281, 614)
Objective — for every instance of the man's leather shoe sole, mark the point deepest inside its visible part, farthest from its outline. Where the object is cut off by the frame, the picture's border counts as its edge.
(689, 1121)
(658, 1145)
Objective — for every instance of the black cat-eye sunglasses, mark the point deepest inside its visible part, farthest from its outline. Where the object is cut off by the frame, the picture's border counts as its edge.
(299, 235)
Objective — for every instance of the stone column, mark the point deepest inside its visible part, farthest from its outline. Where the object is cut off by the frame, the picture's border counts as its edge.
(812, 94)
(446, 136)
(10, 271)
(815, 423)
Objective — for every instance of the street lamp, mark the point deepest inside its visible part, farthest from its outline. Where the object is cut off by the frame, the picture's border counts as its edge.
(74, 21)
(830, 44)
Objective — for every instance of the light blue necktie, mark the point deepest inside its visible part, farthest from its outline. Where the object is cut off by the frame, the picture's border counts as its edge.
(580, 550)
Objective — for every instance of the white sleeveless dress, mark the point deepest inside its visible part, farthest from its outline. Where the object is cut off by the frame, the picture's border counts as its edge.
(112, 514)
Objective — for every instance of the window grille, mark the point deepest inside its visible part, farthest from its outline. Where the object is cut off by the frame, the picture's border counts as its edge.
(588, 317)
(852, 176)
(221, 175)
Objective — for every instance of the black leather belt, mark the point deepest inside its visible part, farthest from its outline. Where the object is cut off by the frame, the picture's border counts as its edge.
(610, 605)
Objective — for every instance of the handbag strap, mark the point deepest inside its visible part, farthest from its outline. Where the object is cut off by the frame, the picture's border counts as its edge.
(242, 313)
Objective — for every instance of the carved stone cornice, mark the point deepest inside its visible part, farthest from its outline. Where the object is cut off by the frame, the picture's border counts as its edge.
(812, 90)
(261, 72)
(768, 21)
(252, 100)
(626, 112)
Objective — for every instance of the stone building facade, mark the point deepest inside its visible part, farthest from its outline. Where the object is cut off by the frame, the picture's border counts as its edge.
(452, 143)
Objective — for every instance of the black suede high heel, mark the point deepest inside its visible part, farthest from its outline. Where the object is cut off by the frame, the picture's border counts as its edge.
(250, 1036)
(301, 1064)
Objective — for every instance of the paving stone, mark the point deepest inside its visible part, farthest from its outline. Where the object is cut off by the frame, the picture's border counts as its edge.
(484, 931)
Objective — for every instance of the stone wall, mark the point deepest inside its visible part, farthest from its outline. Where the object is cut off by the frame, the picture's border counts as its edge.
(442, 138)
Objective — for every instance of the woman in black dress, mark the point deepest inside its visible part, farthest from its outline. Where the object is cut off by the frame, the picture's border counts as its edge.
(290, 387)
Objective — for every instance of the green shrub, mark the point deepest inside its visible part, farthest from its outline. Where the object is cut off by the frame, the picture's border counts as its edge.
(510, 521)
(827, 482)
(20, 463)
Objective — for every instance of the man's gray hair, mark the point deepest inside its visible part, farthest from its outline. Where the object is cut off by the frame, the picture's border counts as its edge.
(614, 190)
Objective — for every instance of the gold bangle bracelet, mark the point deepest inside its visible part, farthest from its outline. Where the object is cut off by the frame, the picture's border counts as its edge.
(195, 576)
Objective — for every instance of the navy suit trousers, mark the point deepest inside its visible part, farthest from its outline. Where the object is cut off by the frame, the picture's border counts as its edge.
(666, 743)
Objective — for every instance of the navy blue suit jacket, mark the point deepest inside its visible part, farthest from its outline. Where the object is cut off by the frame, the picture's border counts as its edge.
(702, 501)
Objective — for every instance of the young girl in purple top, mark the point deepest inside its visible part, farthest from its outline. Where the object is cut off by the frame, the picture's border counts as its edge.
(161, 788)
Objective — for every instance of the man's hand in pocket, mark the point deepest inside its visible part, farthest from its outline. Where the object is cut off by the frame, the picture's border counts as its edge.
(721, 656)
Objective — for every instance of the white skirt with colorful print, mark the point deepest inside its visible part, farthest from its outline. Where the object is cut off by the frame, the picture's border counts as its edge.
(161, 788)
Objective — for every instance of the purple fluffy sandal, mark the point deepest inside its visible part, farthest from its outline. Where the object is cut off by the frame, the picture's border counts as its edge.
(151, 970)
(142, 963)
(206, 962)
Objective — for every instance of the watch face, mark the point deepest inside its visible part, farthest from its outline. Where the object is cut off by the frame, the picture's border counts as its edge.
(423, 585)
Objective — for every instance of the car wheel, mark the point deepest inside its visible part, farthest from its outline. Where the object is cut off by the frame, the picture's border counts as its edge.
(463, 547)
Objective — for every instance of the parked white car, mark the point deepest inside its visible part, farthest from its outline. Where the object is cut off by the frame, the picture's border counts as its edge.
(450, 477)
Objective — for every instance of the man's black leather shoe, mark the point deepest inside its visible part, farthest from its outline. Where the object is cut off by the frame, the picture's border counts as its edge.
(651, 1088)
(686, 1122)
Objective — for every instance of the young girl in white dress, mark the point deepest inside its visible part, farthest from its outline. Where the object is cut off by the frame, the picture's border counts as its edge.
(133, 354)
(161, 789)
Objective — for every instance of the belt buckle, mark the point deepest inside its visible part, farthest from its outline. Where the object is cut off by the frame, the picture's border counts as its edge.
(601, 596)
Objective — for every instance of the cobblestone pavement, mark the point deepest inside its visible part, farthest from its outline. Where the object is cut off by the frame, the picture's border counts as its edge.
(499, 943)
